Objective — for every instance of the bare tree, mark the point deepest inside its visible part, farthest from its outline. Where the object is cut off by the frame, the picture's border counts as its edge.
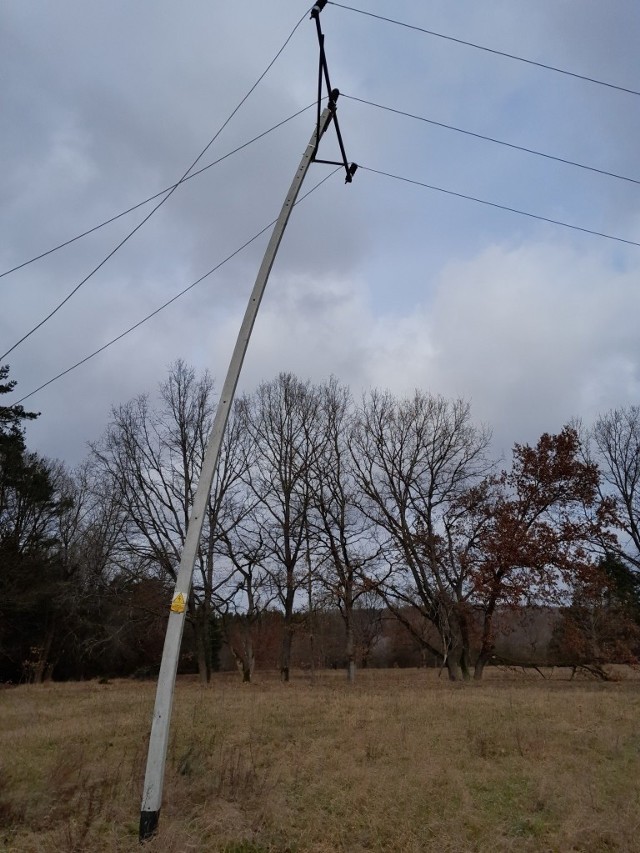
(414, 458)
(249, 591)
(344, 536)
(368, 625)
(281, 418)
(617, 438)
(152, 460)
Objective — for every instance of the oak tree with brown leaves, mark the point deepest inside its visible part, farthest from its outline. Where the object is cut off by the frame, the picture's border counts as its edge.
(539, 527)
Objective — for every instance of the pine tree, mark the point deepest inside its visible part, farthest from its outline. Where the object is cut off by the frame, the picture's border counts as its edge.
(29, 570)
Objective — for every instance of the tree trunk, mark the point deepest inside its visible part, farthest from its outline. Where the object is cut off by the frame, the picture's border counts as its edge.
(465, 666)
(244, 659)
(285, 658)
(41, 667)
(245, 664)
(465, 656)
(351, 654)
(479, 668)
(203, 659)
(453, 668)
(487, 647)
(247, 671)
(456, 662)
(249, 658)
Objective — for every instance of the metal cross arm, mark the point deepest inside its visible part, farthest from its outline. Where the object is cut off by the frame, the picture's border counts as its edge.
(323, 76)
(349, 167)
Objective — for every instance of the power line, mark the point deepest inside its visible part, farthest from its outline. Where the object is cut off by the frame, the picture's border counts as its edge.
(173, 298)
(500, 206)
(160, 203)
(493, 139)
(156, 195)
(487, 49)
(290, 118)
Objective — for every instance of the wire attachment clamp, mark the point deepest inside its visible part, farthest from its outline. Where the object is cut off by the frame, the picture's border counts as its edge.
(332, 94)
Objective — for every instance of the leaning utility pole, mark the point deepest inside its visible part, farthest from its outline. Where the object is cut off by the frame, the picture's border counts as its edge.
(159, 739)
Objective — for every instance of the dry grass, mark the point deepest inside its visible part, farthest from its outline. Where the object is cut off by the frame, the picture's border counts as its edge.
(402, 762)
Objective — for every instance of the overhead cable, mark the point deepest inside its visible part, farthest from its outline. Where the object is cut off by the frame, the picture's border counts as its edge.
(494, 140)
(500, 206)
(156, 195)
(488, 49)
(173, 298)
(160, 203)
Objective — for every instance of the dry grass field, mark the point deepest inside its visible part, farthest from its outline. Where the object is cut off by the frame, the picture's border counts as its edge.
(403, 761)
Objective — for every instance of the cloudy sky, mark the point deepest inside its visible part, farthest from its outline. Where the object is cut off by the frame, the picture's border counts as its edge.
(382, 283)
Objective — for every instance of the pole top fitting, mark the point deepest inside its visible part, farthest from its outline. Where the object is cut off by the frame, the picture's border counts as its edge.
(351, 172)
(317, 8)
(333, 97)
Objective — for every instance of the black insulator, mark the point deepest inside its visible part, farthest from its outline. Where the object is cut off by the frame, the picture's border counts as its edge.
(317, 8)
(350, 173)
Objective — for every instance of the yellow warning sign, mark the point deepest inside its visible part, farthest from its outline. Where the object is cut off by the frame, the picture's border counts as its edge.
(177, 605)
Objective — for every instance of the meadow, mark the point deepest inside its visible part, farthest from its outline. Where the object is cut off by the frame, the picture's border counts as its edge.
(401, 761)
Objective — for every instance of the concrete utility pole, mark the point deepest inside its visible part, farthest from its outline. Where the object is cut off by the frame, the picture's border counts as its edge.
(152, 795)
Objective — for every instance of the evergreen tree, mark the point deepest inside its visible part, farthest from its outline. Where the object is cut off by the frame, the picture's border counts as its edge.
(11, 417)
(623, 585)
(30, 570)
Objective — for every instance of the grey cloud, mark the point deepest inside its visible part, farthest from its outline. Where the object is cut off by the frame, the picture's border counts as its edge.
(378, 282)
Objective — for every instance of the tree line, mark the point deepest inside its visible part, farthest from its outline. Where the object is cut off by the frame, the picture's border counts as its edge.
(320, 504)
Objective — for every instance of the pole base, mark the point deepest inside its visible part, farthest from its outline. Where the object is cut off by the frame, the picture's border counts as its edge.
(148, 825)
